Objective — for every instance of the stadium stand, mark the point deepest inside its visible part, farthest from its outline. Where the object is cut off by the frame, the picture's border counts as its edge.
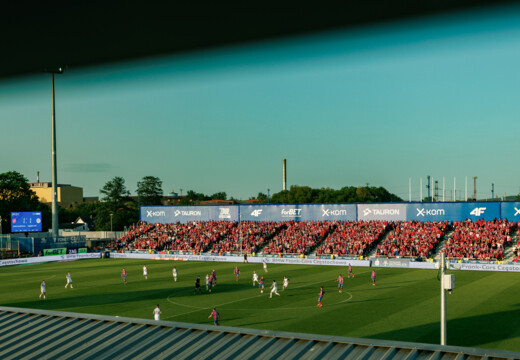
(252, 235)
(479, 240)
(299, 237)
(356, 238)
(473, 240)
(412, 239)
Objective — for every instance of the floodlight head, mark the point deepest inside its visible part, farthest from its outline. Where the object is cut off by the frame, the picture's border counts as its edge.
(55, 69)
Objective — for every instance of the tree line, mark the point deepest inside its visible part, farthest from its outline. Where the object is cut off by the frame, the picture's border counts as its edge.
(116, 209)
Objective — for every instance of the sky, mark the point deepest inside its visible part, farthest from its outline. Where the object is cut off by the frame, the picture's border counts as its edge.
(383, 104)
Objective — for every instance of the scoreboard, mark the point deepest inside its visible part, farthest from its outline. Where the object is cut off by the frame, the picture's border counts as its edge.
(26, 221)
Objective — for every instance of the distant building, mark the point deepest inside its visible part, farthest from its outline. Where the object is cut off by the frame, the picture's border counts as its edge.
(68, 195)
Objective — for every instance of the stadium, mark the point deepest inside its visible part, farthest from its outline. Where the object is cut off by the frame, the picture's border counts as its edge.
(209, 97)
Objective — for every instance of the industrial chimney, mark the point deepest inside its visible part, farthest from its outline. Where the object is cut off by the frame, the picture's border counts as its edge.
(284, 175)
(37, 176)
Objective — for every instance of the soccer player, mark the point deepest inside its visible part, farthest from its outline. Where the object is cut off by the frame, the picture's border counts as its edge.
(261, 285)
(237, 273)
(285, 283)
(197, 285)
(255, 278)
(157, 313)
(43, 290)
(340, 283)
(207, 282)
(265, 265)
(320, 296)
(210, 283)
(350, 273)
(123, 275)
(69, 280)
(174, 273)
(215, 315)
(145, 272)
(214, 278)
(373, 277)
(274, 289)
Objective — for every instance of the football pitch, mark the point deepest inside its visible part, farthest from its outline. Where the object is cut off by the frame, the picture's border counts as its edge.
(483, 311)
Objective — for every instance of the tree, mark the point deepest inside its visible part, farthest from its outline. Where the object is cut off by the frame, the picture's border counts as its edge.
(219, 196)
(150, 190)
(116, 193)
(116, 210)
(16, 195)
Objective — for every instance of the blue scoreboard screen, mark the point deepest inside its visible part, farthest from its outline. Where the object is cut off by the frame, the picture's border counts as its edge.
(26, 221)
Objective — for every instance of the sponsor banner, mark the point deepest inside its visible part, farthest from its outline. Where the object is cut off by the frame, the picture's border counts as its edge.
(305, 212)
(389, 212)
(391, 263)
(82, 250)
(433, 211)
(271, 260)
(269, 212)
(479, 210)
(56, 251)
(510, 211)
(183, 214)
(423, 265)
(43, 259)
(485, 267)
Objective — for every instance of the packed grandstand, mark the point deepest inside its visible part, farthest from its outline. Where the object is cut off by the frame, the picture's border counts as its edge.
(473, 240)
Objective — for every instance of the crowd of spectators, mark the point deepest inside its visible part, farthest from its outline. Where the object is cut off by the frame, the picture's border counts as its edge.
(355, 238)
(253, 235)
(412, 239)
(479, 240)
(298, 237)
(136, 231)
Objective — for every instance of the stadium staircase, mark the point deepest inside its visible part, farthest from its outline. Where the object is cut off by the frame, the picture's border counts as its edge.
(440, 247)
(508, 251)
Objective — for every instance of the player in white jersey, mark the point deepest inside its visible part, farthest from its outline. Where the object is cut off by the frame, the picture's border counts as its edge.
(265, 265)
(255, 278)
(174, 273)
(157, 313)
(145, 272)
(43, 290)
(207, 282)
(274, 289)
(69, 280)
(285, 282)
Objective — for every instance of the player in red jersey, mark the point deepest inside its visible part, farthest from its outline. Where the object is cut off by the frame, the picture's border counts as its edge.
(123, 275)
(320, 296)
(215, 315)
(237, 273)
(374, 277)
(340, 283)
(350, 273)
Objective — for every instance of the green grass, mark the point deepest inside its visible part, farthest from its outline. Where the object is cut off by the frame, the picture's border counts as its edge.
(483, 311)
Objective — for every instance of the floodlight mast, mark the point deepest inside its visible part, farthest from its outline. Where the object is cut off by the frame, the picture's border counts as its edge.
(55, 224)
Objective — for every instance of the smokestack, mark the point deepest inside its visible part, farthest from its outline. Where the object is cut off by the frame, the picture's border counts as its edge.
(284, 175)
(37, 176)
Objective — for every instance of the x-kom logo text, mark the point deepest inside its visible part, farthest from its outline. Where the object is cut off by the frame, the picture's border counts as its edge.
(151, 213)
(431, 212)
(333, 212)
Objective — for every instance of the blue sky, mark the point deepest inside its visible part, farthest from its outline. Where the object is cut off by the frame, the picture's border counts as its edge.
(435, 96)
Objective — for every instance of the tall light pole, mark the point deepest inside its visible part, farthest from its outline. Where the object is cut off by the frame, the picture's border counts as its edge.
(111, 214)
(268, 195)
(55, 225)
